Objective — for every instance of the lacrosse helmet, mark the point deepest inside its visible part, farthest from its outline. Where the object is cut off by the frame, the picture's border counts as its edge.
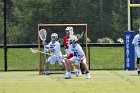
(69, 30)
(73, 40)
(54, 37)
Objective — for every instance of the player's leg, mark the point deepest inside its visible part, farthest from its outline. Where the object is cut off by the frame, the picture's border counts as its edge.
(82, 68)
(72, 66)
(51, 60)
(68, 64)
(47, 72)
(62, 63)
(138, 65)
(76, 63)
(138, 60)
(78, 71)
(85, 67)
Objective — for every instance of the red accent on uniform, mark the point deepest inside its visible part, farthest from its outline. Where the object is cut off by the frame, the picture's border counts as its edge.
(65, 40)
(69, 56)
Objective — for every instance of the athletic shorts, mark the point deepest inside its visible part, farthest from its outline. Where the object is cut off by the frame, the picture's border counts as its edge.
(75, 60)
(53, 59)
(137, 50)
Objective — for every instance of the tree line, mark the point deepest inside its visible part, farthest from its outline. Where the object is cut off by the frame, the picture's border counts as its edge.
(105, 18)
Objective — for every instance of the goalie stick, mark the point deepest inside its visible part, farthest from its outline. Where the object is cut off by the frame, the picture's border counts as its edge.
(42, 35)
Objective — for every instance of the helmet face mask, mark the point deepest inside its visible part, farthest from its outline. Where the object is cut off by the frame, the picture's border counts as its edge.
(54, 37)
(69, 30)
(73, 40)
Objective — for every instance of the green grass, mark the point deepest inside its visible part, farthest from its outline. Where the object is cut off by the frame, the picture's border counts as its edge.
(100, 82)
(100, 58)
(107, 57)
(19, 59)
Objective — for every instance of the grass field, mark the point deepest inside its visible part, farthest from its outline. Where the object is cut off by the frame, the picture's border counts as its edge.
(100, 58)
(101, 82)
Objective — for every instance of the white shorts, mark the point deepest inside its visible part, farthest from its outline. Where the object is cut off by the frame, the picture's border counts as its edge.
(52, 59)
(137, 50)
(75, 60)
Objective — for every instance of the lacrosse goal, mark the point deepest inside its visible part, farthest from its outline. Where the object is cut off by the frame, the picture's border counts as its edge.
(80, 30)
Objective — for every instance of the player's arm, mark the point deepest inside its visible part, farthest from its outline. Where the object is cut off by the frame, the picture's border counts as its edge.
(69, 53)
(134, 43)
(65, 42)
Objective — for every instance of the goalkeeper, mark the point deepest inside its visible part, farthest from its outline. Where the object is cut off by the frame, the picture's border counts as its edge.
(78, 56)
(54, 48)
(136, 43)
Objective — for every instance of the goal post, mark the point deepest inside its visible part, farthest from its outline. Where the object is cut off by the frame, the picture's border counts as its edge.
(129, 58)
(51, 28)
(129, 13)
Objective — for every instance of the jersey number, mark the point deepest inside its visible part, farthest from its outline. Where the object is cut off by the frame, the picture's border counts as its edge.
(76, 53)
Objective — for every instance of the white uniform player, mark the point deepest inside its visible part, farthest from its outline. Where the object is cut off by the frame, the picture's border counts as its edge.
(54, 49)
(78, 56)
(77, 52)
(136, 43)
(55, 52)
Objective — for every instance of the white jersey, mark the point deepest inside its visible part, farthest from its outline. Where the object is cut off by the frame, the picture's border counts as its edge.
(56, 46)
(136, 43)
(77, 51)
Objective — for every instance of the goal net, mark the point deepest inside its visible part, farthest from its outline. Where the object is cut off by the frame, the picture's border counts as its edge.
(80, 30)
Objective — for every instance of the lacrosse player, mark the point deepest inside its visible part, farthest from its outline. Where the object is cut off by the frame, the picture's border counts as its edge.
(69, 32)
(56, 55)
(136, 43)
(78, 56)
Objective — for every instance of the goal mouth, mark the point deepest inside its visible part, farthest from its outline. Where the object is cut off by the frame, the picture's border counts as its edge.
(80, 30)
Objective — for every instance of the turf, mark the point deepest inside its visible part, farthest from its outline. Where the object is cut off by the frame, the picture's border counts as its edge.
(101, 82)
(107, 57)
(100, 58)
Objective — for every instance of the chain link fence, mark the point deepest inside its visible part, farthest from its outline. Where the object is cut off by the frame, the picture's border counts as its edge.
(105, 18)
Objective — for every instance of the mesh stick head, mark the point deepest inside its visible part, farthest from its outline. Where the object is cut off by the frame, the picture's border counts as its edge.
(43, 34)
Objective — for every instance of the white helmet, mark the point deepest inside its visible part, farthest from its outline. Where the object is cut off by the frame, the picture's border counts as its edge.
(70, 30)
(54, 36)
(73, 39)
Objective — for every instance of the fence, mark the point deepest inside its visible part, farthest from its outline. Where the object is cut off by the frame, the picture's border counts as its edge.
(19, 18)
(101, 56)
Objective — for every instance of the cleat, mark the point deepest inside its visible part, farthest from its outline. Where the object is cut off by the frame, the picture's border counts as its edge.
(88, 76)
(68, 76)
(66, 72)
(78, 73)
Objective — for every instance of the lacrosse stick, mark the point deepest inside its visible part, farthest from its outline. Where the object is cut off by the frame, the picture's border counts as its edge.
(42, 35)
(36, 51)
